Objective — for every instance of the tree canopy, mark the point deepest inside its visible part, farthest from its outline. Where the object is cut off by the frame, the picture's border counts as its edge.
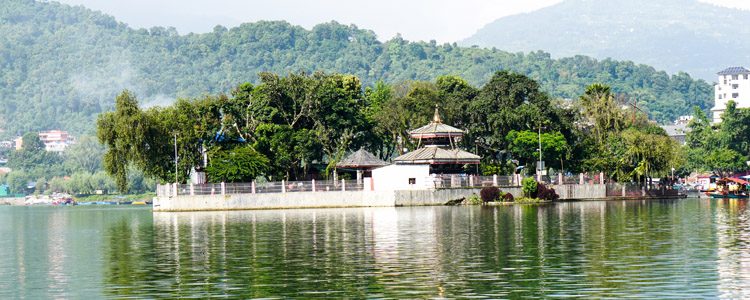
(297, 126)
(62, 65)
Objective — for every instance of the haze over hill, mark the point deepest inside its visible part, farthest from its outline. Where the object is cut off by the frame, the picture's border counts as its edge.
(62, 66)
(675, 35)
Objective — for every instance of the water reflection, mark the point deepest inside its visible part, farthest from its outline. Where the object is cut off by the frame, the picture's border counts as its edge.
(602, 249)
(732, 224)
(691, 248)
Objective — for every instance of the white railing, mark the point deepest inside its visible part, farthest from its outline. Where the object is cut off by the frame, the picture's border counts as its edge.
(169, 190)
(442, 181)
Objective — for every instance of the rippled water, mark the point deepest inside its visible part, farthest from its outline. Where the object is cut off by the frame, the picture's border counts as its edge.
(694, 248)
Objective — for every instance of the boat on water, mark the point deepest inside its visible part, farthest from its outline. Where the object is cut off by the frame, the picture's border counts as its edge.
(730, 188)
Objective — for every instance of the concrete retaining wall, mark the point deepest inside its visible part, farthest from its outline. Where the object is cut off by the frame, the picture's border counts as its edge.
(274, 200)
(580, 192)
(350, 198)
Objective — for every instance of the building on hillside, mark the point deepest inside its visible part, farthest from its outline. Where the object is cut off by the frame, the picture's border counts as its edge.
(683, 120)
(56, 140)
(18, 143)
(678, 132)
(734, 84)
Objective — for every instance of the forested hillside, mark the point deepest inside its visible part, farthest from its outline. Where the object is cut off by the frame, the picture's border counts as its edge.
(675, 35)
(61, 66)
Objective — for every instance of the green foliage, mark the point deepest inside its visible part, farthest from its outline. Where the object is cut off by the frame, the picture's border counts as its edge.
(625, 30)
(17, 181)
(84, 156)
(622, 142)
(32, 162)
(62, 71)
(132, 138)
(528, 200)
(241, 164)
(85, 183)
(529, 187)
(473, 199)
(524, 146)
(723, 149)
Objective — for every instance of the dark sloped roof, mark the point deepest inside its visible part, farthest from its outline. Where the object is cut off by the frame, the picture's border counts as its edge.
(437, 155)
(436, 128)
(734, 71)
(361, 159)
(675, 130)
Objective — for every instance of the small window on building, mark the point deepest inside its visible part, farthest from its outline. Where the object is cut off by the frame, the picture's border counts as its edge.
(735, 77)
(412, 181)
(735, 95)
(744, 76)
(719, 97)
(735, 86)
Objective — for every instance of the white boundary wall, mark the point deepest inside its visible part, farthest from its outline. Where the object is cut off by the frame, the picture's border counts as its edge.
(348, 198)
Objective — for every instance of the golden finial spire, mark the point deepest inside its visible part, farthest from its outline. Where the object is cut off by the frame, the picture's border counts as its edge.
(436, 118)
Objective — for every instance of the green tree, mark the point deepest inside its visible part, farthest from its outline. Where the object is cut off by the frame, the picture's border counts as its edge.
(241, 164)
(524, 146)
(85, 155)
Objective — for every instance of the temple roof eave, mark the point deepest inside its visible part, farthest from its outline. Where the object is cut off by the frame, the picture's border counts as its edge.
(435, 155)
(361, 159)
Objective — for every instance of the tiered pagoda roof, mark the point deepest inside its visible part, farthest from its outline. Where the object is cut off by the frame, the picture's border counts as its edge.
(436, 129)
(438, 154)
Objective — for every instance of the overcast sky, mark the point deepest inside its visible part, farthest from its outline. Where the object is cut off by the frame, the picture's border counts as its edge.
(441, 20)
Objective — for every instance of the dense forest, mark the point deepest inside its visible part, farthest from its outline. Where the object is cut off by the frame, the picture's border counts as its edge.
(62, 65)
(297, 127)
(675, 35)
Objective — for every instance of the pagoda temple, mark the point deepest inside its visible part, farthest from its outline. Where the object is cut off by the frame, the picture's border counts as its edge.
(438, 147)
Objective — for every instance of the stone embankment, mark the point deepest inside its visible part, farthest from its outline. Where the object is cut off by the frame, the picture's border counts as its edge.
(364, 198)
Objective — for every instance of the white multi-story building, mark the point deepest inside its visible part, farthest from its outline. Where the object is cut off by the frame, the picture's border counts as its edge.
(56, 140)
(734, 84)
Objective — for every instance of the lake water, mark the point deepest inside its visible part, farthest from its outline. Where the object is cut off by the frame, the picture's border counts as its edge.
(692, 248)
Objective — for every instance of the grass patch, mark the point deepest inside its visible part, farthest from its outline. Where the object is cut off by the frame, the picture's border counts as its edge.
(129, 197)
(527, 200)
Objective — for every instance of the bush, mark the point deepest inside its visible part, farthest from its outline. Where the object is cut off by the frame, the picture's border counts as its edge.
(473, 200)
(529, 187)
(490, 194)
(508, 197)
(545, 193)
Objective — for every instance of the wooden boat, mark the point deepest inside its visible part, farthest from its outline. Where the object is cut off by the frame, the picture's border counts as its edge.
(731, 188)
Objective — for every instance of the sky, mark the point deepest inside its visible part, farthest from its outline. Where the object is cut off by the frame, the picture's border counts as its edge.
(440, 20)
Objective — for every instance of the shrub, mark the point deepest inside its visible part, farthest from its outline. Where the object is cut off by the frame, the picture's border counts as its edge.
(473, 200)
(508, 197)
(529, 187)
(545, 193)
(490, 194)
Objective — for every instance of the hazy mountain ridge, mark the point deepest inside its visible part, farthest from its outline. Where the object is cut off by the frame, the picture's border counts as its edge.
(63, 65)
(675, 35)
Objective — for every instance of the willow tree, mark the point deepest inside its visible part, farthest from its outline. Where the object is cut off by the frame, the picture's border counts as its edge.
(133, 138)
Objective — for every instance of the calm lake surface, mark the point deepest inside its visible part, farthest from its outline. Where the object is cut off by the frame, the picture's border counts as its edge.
(692, 248)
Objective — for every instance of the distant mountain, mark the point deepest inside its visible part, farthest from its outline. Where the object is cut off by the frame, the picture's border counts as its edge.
(60, 66)
(674, 35)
